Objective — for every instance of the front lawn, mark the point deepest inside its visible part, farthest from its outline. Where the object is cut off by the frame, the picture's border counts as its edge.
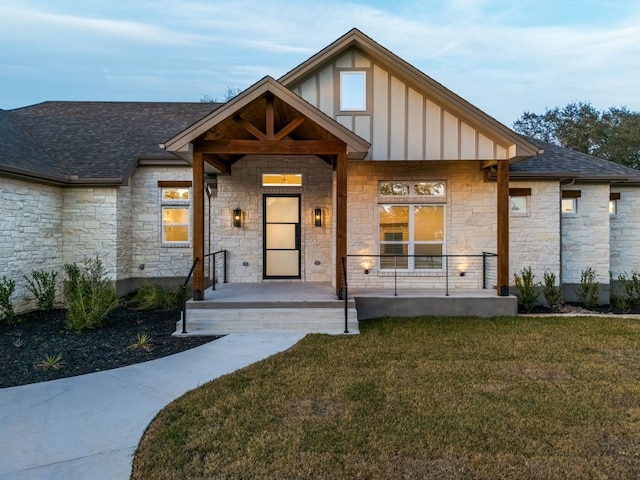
(429, 398)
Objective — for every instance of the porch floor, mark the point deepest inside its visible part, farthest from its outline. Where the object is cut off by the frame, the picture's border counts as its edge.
(302, 307)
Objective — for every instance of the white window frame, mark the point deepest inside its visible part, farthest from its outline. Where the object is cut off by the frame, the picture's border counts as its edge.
(175, 204)
(410, 242)
(613, 207)
(573, 201)
(520, 213)
(347, 81)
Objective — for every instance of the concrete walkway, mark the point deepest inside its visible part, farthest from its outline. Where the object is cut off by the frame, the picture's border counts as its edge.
(88, 427)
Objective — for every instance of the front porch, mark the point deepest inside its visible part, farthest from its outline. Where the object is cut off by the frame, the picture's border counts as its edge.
(303, 307)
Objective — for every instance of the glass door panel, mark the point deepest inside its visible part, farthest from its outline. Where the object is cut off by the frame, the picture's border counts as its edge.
(281, 236)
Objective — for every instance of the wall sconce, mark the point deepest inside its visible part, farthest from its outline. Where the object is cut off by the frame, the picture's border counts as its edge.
(462, 273)
(237, 217)
(317, 217)
(366, 265)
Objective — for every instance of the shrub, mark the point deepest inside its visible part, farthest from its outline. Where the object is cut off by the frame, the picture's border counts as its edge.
(153, 297)
(551, 292)
(90, 296)
(7, 287)
(526, 289)
(617, 295)
(42, 286)
(589, 290)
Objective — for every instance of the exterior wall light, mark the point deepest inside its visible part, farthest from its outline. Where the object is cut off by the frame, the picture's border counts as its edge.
(462, 273)
(237, 217)
(317, 217)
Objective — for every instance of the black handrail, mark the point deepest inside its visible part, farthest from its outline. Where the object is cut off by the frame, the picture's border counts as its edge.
(213, 281)
(345, 295)
(184, 295)
(444, 265)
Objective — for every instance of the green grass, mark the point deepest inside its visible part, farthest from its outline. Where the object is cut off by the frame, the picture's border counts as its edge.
(429, 398)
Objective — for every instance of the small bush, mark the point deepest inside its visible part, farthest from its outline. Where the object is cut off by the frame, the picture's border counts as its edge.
(551, 292)
(42, 286)
(90, 296)
(7, 287)
(153, 297)
(617, 295)
(589, 290)
(526, 289)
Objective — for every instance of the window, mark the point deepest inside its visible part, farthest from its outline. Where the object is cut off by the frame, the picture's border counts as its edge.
(414, 189)
(281, 179)
(569, 205)
(353, 91)
(176, 215)
(570, 201)
(411, 230)
(519, 201)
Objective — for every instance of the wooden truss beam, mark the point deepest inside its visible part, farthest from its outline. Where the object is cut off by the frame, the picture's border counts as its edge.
(270, 147)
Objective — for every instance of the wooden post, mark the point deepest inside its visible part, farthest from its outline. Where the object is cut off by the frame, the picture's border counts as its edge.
(503, 227)
(198, 225)
(341, 218)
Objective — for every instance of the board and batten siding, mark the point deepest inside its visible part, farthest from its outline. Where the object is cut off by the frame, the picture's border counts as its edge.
(401, 121)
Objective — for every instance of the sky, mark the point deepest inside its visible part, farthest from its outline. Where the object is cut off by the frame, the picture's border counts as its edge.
(506, 57)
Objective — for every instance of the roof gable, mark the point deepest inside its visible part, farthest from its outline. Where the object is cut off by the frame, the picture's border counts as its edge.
(181, 144)
(409, 89)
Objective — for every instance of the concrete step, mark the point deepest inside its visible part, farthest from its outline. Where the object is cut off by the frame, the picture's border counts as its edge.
(217, 304)
(251, 320)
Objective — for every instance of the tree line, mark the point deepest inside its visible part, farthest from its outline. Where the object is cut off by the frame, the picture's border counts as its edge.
(612, 134)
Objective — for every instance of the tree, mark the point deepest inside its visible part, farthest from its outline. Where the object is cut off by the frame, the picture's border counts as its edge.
(229, 93)
(613, 134)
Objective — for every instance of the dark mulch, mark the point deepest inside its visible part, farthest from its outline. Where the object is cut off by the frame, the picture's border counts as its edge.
(25, 344)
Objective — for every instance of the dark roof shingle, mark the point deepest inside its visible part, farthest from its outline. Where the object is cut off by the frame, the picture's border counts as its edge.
(99, 140)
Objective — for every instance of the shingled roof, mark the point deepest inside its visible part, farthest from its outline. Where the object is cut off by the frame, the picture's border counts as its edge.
(560, 162)
(97, 142)
(91, 141)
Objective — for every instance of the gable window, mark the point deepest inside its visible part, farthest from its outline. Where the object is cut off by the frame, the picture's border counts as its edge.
(570, 201)
(353, 91)
(519, 201)
(175, 199)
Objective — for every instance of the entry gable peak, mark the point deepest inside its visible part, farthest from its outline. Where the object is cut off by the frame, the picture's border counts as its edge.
(243, 118)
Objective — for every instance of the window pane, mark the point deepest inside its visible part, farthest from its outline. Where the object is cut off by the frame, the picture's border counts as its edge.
(432, 189)
(394, 223)
(353, 91)
(518, 204)
(394, 249)
(173, 216)
(176, 233)
(429, 223)
(428, 249)
(613, 207)
(281, 179)
(175, 193)
(388, 188)
(569, 205)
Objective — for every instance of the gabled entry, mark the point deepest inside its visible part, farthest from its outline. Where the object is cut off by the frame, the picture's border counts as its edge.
(281, 236)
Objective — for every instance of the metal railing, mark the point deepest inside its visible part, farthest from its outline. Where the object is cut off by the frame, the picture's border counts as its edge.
(424, 271)
(213, 277)
(345, 295)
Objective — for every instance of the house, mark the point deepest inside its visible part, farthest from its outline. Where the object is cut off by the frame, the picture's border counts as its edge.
(354, 165)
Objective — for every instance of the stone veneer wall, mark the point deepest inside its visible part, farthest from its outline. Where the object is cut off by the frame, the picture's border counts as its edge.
(30, 232)
(90, 226)
(625, 232)
(535, 235)
(585, 237)
(243, 189)
(150, 259)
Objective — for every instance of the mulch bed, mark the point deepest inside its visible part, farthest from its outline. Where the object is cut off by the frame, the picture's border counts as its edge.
(39, 334)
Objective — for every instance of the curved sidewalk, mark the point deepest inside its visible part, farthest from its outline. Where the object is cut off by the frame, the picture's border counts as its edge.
(89, 426)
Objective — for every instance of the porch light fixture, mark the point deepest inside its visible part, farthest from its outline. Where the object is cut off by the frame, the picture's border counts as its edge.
(317, 217)
(237, 217)
(462, 273)
(366, 265)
